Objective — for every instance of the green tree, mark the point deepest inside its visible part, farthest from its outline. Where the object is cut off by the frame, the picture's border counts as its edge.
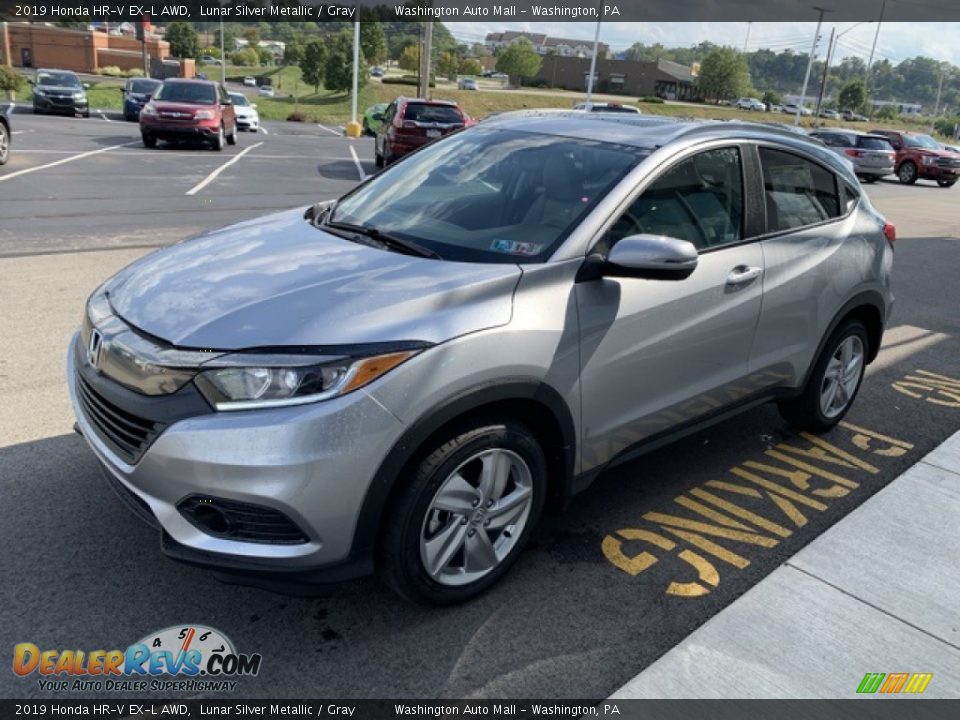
(373, 43)
(772, 98)
(853, 96)
(410, 58)
(10, 80)
(519, 60)
(469, 66)
(183, 40)
(313, 63)
(397, 45)
(448, 63)
(339, 66)
(252, 36)
(229, 39)
(266, 56)
(293, 52)
(248, 57)
(886, 112)
(723, 74)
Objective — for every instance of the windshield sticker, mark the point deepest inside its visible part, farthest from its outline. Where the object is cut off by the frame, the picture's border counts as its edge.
(515, 247)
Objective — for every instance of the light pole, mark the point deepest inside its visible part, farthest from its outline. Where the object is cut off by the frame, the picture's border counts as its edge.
(746, 40)
(223, 58)
(593, 67)
(944, 69)
(873, 49)
(834, 39)
(813, 53)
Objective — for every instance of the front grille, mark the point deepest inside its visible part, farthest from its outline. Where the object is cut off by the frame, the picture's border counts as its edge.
(127, 434)
(948, 163)
(235, 520)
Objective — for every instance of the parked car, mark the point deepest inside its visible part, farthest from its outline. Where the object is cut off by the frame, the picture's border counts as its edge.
(409, 123)
(608, 108)
(373, 118)
(872, 155)
(829, 114)
(405, 379)
(59, 91)
(851, 116)
(748, 103)
(210, 60)
(774, 108)
(377, 71)
(137, 93)
(250, 81)
(920, 157)
(245, 112)
(6, 138)
(266, 91)
(791, 109)
(189, 110)
(468, 84)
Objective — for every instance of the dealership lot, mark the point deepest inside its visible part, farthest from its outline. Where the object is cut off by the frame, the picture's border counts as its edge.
(583, 611)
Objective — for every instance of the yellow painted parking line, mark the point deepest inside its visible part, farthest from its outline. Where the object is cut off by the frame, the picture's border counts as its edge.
(55, 163)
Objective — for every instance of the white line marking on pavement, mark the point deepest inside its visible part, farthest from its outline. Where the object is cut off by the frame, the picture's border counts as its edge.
(21, 132)
(10, 108)
(18, 173)
(104, 116)
(329, 130)
(213, 176)
(356, 161)
(263, 130)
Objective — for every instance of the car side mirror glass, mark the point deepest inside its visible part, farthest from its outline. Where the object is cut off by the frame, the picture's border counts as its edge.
(378, 116)
(86, 86)
(653, 257)
(253, 105)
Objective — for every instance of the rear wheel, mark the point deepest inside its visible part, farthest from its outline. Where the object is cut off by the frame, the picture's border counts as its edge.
(465, 514)
(946, 183)
(907, 172)
(834, 381)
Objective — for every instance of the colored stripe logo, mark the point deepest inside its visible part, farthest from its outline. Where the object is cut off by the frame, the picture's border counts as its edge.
(893, 683)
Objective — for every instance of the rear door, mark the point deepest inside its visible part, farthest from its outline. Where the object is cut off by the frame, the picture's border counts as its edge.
(811, 262)
(657, 354)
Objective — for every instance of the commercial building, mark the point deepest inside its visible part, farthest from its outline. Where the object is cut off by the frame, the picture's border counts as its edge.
(662, 78)
(546, 45)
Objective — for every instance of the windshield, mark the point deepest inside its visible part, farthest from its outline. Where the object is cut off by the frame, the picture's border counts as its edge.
(238, 99)
(921, 141)
(188, 92)
(495, 196)
(145, 87)
(58, 78)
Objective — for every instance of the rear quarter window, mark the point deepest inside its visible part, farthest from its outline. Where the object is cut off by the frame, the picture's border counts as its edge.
(798, 192)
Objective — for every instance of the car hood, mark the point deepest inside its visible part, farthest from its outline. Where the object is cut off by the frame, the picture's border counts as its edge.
(279, 281)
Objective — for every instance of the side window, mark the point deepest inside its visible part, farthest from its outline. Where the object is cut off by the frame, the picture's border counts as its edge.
(797, 192)
(699, 199)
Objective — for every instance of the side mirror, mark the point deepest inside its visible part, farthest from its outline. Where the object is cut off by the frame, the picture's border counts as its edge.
(86, 86)
(651, 257)
(32, 81)
(253, 105)
(377, 116)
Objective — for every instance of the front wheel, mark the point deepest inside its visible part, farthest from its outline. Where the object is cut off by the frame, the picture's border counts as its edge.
(4, 144)
(907, 173)
(946, 183)
(232, 137)
(149, 141)
(465, 513)
(834, 381)
(219, 141)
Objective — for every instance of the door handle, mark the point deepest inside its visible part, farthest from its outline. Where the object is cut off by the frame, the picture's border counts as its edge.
(743, 274)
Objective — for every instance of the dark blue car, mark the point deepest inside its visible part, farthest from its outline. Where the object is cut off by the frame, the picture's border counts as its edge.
(136, 93)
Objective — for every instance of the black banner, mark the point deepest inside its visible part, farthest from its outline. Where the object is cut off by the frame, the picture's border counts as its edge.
(481, 10)
(879, 709)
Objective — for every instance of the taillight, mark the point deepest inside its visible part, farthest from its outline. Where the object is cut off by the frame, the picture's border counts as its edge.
(890, 232)
(854, 153)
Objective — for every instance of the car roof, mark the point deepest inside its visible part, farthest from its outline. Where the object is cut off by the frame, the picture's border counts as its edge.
(188, 81)
(424, 101)
(646, 131)
(850, 131)
(55, 70)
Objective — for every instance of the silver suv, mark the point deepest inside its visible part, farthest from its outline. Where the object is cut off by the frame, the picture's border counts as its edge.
(404, 379)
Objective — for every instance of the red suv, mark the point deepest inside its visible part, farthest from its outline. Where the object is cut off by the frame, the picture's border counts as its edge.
(919, 156)
(184, 110)
(409, 124)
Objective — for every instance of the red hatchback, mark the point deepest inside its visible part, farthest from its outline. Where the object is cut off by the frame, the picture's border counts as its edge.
(185, 110)
(411, 123)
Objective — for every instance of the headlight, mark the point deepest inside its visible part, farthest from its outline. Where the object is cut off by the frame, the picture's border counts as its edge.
(249, 382)
(149, 109)
(203, 115)
(39, 91)
(79, 96)
(929, 160)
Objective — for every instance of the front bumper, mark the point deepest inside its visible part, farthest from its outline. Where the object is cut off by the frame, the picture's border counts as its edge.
(247, 123)
(312, 463)
(67, 105)
(938, 172)
(163, 131)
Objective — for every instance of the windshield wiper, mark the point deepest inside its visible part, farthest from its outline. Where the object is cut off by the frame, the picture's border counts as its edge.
(405, 246)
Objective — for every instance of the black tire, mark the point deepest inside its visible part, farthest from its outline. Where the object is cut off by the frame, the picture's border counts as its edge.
(378, 159)
(219, 141)
(907, 172)
(149, 141)
(399, 562)
(946, 183)
(804, 411)
(4, 144)
(870, 179)
(86, 114)
(232, 137)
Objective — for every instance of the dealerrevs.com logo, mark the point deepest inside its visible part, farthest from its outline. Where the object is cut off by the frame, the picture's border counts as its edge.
(187, 658)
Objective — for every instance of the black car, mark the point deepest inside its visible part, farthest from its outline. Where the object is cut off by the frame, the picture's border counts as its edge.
(137, 93)
(59, 91)
(5, 141)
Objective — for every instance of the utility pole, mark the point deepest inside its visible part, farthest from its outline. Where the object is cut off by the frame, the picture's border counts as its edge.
(353, 127)
(936, 108)
(813, 54)
(823, 81)
(223, 58)
(593, 67)
(7, 60)
(425, 60)
(873, 49)
(746, 40)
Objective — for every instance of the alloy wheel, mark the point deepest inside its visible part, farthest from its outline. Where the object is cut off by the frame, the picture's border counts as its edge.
(4, 144)
(476, 517)
(841, 377)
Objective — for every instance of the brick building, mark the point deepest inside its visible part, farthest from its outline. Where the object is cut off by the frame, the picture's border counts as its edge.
(662, 78)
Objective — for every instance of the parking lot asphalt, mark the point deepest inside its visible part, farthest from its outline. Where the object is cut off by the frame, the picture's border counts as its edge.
(583, 610)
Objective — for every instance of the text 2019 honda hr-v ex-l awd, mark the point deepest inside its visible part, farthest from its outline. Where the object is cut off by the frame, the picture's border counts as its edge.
(403, 380)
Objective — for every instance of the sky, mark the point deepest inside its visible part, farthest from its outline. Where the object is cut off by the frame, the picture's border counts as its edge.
(897, 41)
